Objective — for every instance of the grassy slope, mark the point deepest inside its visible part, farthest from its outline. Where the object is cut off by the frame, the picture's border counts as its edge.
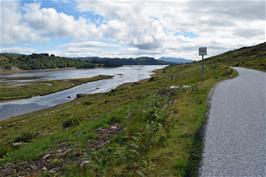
(253, 57)
(158, 123)
(160, 126)
(42, 87)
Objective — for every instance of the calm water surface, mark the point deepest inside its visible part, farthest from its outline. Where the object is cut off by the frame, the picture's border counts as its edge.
(121, 75)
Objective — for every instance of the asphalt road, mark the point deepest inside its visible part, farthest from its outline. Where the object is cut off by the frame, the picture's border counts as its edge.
(235, 139)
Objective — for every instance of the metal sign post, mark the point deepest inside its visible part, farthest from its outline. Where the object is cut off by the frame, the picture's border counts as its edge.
(202, 52)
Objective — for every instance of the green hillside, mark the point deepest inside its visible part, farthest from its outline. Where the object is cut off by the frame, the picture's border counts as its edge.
(253, 57)
(40, 61)
(145, 128)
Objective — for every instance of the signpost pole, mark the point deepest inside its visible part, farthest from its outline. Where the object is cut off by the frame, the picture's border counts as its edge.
(202, 69)
(202, 52)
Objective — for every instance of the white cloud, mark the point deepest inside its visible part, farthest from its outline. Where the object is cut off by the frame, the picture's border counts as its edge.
(133, 28)
(31, 23)
(20, 50)
(51, 23)
(13, 28)
(151, 27)
(91, 48)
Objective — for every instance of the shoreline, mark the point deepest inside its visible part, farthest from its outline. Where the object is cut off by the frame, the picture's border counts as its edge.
(7, 72)
(73, 83)
(72, 97)
(11, 71)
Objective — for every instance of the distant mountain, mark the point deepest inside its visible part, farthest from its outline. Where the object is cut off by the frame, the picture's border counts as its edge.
(46, 61)
(175, 60)
(113, 62)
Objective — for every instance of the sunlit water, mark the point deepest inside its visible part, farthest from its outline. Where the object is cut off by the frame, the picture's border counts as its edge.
(121, 75)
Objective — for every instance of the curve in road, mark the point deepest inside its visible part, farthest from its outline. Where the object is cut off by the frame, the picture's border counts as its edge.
(235, 137)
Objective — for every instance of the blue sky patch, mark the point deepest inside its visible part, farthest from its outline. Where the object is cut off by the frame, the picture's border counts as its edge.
(188, 34)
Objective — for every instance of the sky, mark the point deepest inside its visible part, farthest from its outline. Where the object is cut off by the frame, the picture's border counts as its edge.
(123, 28)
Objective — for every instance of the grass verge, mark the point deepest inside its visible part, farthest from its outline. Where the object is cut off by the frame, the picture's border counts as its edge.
(198, 140)
(147, 128)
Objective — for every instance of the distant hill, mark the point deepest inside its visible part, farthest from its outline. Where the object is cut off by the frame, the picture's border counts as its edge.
(175, 60)
(113, 62)
(39, 61)
(250, 57)
(12, 61)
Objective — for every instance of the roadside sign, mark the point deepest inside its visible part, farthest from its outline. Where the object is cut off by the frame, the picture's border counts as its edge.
(202, 51)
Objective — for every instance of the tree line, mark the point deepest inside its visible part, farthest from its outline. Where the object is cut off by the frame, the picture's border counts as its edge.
(41, 61)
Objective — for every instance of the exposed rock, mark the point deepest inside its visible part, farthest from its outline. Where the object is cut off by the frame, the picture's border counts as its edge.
(59, 150)
(7, 171)
(54, 170)
(46, 156)
(64, 153)
(174, 87)
(76, 153)
(180, 86)
(84, 163)
(104, 135)
(80, 95)
(18, 144)
(114, 126)
(33, 167)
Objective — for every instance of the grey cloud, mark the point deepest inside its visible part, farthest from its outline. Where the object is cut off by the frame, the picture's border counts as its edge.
(91, 44)
(21, 50)
(217, 22)
(248, 32)
(245, 10)
(148, 46)
(140, 52)
(139, 28)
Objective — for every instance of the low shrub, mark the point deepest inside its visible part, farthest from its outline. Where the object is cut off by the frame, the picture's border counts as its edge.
(227, 71)
(80, 95)
(151, 79)
(114, 119)
(87, 103)
(111, 92)
(70, 123)
(3, 151)
(23, 137)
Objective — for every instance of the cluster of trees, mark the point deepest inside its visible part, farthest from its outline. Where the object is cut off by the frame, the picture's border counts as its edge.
(42, 61)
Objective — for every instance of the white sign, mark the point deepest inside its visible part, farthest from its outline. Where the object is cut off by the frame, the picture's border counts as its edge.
(203, 51)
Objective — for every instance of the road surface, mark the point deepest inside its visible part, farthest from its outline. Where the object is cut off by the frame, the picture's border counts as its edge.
(235, 139)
